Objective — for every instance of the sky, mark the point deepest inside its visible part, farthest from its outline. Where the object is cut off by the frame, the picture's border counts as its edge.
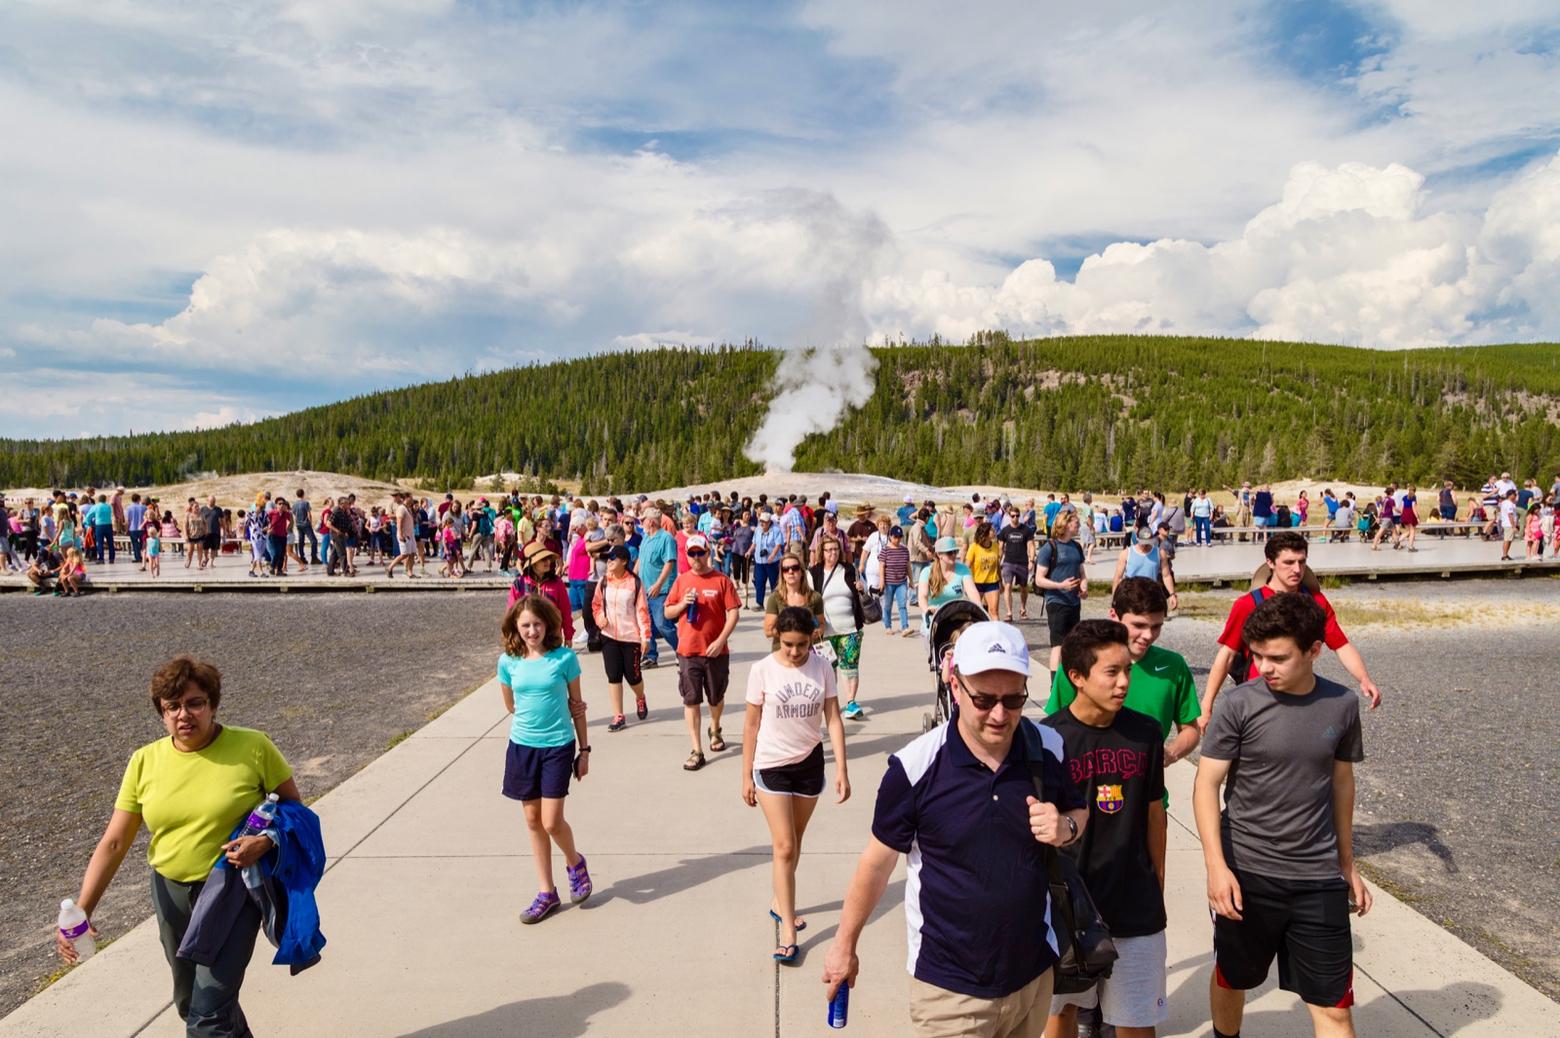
(223, 211)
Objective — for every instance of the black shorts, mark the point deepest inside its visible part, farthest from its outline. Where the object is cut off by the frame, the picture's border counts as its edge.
(213, 541)
(802, 779)
(532, 772)
(703, 679)
(1061, 617)
(621, 660)
(1305, 923)
(740, 568)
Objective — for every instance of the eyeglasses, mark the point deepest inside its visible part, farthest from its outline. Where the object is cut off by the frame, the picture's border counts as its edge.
(189, 706)
(983, 701)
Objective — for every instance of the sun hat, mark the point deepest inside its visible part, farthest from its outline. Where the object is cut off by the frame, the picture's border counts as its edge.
(535, 552)
(766, 517)
(619, 551)
(991, 645)
(945, 544)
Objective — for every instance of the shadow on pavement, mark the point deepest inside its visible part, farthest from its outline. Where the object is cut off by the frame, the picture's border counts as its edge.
(561, 1016)
(1377, 839)
(689, 872)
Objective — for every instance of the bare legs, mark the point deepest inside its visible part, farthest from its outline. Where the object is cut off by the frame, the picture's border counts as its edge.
(544, 819)
(787, 817)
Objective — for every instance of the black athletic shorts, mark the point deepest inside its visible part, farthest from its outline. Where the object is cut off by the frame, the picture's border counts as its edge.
(1061, 617)
(1305, 923)
(621, 660)
(802, 779)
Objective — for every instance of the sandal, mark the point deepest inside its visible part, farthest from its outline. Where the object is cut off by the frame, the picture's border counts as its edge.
(716, 742)
(801, 924)
(694, 762)
(786, 953)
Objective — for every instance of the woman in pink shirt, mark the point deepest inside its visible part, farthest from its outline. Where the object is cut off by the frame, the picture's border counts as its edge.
(622, 614)
(790, 697)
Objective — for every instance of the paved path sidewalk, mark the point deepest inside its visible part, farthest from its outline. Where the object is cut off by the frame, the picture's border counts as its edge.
(432, 866)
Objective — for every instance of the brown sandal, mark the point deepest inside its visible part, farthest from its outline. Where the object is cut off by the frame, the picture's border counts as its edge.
(717, 743)
(694, 762)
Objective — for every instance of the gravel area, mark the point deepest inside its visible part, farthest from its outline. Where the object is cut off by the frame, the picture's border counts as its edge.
(331, 678)
(1457, 814)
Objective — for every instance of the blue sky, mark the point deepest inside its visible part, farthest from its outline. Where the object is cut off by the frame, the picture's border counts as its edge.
(227, 211)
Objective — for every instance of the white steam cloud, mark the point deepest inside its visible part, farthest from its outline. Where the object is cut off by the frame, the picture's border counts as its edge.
(830, 368)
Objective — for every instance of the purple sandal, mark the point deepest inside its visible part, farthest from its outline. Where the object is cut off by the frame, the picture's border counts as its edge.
(545, 902)
(580, 886)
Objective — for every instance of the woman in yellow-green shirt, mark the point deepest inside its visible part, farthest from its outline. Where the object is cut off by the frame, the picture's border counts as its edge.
(192, 789)
(984, 557)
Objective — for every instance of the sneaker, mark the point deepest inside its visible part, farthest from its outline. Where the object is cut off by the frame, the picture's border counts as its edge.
(580, 886)
(618, 723)
(649, 663)
(852, 710)
(641, 708)
(545, 902)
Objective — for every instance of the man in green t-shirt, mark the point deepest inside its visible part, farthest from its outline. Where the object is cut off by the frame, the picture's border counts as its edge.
(1161, 683)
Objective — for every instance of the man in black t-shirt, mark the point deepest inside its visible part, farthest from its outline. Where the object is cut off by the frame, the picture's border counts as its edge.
(1018, 553)
(1280, 855)
(1115, 757)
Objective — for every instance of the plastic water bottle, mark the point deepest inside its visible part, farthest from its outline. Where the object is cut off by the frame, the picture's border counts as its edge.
(75, 928)
(839, 1006)
(261, 817)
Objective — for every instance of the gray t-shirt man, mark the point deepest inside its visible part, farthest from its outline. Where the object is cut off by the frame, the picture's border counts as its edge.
(300, 511)
(1278, 809)
(1059, 561)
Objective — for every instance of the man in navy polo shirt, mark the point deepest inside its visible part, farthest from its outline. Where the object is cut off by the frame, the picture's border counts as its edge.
(960, 802)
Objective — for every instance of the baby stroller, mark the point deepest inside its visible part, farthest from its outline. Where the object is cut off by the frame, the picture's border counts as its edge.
(946, 623)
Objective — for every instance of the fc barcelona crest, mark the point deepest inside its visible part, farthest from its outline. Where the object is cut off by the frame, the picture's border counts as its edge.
(1109, 799)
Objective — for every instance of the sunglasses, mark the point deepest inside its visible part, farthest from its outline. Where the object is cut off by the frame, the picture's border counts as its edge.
(983, 701)
(695, 553)
(790, 569)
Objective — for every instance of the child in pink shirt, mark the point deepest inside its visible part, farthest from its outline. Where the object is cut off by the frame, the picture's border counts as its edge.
(790, 698)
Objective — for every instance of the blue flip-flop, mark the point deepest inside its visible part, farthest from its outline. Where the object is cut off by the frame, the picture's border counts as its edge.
(789, 956)
(776, 917)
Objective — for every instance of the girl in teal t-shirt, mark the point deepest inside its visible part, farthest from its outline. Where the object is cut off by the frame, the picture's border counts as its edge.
(539, 677)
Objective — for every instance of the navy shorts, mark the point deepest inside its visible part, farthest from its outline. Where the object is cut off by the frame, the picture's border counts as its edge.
(533, 772)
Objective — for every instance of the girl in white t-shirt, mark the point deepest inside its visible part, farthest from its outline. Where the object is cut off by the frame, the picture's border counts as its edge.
(790, 697)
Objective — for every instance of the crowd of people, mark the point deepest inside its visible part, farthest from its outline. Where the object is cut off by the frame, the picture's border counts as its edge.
(55, 540)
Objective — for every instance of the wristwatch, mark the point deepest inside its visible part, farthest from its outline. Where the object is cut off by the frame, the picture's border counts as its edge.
(1072, 827)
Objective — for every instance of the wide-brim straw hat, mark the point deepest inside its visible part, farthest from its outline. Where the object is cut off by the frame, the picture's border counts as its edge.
(535, 553)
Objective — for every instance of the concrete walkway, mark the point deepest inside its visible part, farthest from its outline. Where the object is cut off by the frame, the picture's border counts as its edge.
(432, 866)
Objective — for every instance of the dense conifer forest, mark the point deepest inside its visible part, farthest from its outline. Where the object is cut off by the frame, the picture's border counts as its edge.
(1074, 412)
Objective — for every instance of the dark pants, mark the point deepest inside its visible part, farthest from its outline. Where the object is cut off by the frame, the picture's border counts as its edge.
(592, 632)
(103, 542)
(306, 533)
(206, 997)
(137, 539)
(766, 577)
(278, 545)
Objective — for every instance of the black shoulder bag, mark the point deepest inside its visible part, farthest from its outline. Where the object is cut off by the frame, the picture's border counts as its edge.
(1085, 950)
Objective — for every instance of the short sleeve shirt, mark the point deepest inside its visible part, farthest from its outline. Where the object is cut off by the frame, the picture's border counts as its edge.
(1233, 639)
(792, 698)
(1060, 560)
(191, 802)
(1015, 538)
(541, 693)
(976, 904)
(717, 597)
(1278, 813)
(657, 550)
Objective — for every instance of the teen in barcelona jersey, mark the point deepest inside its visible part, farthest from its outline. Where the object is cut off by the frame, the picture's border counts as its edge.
(1282, 880)
(539, 677)
(791, 699)
(1115, 757)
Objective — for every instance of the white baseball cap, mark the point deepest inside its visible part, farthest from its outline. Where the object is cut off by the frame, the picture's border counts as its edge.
(909, 500)
(991, 645)
(766, 517)
(698, 541)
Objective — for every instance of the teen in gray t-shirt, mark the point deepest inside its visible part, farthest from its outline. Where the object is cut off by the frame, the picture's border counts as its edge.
(1278, 810)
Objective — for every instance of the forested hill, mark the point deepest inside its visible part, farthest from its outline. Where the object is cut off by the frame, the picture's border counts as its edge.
(1088, 411)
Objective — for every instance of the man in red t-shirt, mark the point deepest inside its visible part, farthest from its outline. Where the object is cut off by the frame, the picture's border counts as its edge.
(703, 656)
(1286, 554)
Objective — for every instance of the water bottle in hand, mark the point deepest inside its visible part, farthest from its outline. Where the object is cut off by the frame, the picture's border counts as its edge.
(261, 817)
(693, 612)
(75, 928)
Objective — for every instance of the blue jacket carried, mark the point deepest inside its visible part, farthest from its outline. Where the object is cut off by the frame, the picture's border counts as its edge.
(281, 884)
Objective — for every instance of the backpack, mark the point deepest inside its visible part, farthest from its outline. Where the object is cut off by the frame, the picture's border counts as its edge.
(1242, 663)
(1174, 518)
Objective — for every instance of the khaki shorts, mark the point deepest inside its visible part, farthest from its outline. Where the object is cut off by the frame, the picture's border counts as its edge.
(938, 1013)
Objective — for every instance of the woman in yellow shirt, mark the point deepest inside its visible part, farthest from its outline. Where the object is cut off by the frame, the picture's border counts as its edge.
(984, 559)
(192, 789)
